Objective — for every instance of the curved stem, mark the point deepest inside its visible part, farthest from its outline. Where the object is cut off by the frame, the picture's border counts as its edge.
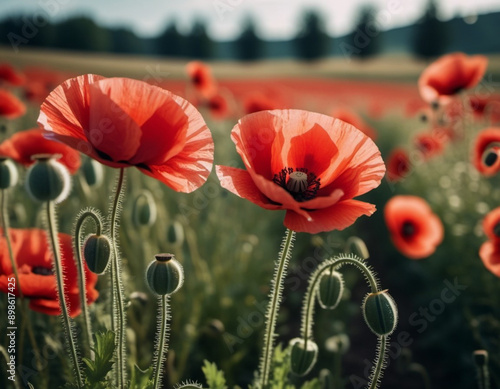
(379, 364)
(273, 307)
(54, 242)
(119, 321)
(81, 272)
(162, 342)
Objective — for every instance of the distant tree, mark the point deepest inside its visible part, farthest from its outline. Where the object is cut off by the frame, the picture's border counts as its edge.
(82, 33)
(125, 41)
(365, 39)
(248, 46)
(198, 43)
(431, 35)
(171, 42)
(312, 41)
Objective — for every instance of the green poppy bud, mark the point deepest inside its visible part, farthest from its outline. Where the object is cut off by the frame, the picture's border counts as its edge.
(175, 234)
(92, 172)
(97, 253)
(331, 286)
(8, 173)
(480, 357)
(165, 275)
(358, 247)
(47, 179)
(380, 313)
(302, 358)
(144, 211)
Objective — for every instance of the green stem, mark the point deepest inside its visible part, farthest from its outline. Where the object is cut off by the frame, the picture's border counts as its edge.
(273, 307)
(5, 225)
(379, 364)
(162, 342)
(54, 242)
(119, 321)
(81, 272)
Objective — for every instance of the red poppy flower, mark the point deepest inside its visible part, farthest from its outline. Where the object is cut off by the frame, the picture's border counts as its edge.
(310, 165)
(40, 82)
(36, 279)
(491, 225)
(451, 74)
(10, 106)
(487, 107)
(415, 230)
(490, 250)
(218, 106)
(24, 144)
(353, 118)
(487, 151)
(258, 101)
(398, 165)
(10, 75)
(122, 122)
(429, 144)
(201, 78)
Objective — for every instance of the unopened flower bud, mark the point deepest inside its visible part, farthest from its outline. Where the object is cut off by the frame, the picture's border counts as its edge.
(302, 358)
(47, 179)
(480, 357)
(175, 234)
(97, 253)
(8, 173)
(144, 211)
(93, 172)
(380, 313)
(358, 247)
(331, 286)
(165, 275)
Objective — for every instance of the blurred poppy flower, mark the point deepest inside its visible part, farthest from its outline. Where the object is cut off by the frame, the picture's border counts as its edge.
(353, 118)
(429, 144)
(398, 165)
(486, 151)
(9, 75)
(201, 78)
(486, 107)
(310, 165)
(24, 144)
(451, 74)
(122, 122)
(40, 82)
(258, 101)
(10, 106)
(218, 106)
(415, 230)
(36, 279)
(490, 250)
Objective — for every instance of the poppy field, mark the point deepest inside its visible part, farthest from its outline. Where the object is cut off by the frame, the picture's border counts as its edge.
(216, 226)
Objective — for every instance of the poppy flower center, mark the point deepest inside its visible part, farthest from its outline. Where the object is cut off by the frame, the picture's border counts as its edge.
(490, 156)
(300, 183)
(496, 229)
(42, 271)
(408, 229)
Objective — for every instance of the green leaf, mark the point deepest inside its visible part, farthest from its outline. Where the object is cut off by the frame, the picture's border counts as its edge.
(313, 384)
(141, 379)
(280, 368)
(215, 378)
(98, 368)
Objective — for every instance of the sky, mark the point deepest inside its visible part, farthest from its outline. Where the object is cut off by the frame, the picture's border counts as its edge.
(275, 19)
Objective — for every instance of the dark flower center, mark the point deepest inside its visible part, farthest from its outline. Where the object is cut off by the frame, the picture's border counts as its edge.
(490, 157)
(42, 271)
(496, 229)
(300, 183)
(408, 229)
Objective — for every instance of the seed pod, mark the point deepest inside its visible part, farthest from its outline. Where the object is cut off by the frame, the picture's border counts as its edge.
(144, 211)
(175, 234)
(380, 313)
(331, 286)
(47, 179)
(302, 359)
(8, 173)
(97, 253)
(165, 275)
(92, 172)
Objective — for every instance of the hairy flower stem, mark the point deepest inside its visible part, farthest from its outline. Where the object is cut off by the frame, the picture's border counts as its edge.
(273, 307)
(81, 272)
(379, 364)
(162, 340)
(118, 322)
(54, 242)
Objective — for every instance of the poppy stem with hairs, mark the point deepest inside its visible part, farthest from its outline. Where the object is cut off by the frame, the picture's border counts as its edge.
(54, 242)
(118, 321)
(379, 364)
(81, 273)
(273, 307)
(162, 338)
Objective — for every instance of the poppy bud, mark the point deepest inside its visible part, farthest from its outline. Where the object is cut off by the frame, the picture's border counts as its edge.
(93, 172)
(165, 275)
(331, 286)
(144, 211)
(302, 358)
(175, 234)
(358, 247)
(97, 253)
(8, 173)
(480, 357)
(380, 312)
(47, 179)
